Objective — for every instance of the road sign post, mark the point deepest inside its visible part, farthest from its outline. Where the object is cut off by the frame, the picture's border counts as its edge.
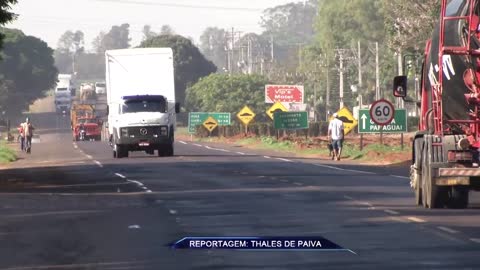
(198, 118)
(246, 115)
(290, 120)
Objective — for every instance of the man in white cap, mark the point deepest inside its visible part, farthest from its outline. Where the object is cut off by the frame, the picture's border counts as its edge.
(336, 134)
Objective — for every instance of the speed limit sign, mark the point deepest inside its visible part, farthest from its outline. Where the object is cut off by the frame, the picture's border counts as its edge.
(382, 112)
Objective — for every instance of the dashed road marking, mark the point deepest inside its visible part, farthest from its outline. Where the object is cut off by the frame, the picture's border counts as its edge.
(98, 163)
(348, 197)
(398, 176)
(415, 219)
(341, 169)
(136, 182)
(284, 159)
(448, 230)
(475, 240)
(121, 175)
(182, 142)
(298, 184)
(89, 156)
(391, 212)
(224, 150)
(173, 212)
(284, 181)
(240, 153)
(199, 145)
(267, 157)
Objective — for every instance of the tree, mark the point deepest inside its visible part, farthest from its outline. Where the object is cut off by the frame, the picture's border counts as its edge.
(6, 15)
(228, 93)
(26, 72)
(147, 32)
(166, 30)
(189, 63)
(117, 38)
(71, 42)
(213, 44)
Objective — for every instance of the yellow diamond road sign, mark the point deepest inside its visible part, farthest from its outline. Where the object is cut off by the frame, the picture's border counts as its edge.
(246, 115)
(349, 122)
(210, 124)
(276, 107)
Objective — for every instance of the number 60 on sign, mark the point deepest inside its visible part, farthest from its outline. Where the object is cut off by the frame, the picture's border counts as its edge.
(382, 112)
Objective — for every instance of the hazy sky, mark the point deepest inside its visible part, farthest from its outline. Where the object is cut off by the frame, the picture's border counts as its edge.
(48, 19)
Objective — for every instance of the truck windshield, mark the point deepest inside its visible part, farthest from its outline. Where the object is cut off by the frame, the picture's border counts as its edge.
(144, 106)
(62, 89)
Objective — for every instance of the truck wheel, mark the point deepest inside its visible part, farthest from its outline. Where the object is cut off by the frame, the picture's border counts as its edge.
(459, 197)
(433, 196)
(161, 152)
(118, 151)
(416, 173)
(169, 151)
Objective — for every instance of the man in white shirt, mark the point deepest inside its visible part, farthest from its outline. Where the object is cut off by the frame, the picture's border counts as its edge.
(336, 134)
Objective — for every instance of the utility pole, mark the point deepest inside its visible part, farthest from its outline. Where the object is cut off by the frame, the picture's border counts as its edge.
(327, 101)
(272, 50)
(341, 80)
(400, 73)
(360, 83)
(377, 73)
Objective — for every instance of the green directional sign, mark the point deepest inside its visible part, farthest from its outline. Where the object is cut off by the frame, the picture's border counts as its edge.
(290, 120)
(198, 118)
(398, 124)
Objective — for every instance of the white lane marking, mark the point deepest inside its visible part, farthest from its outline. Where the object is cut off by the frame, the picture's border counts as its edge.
(415, 219)
(348, 198)
(284, 159)
(173, 212)
(98, 163)
(223, 150)
(182, 142)
(343, 170)
(75, 146)
(199, 145)
(136, 182)
(401, 177)
(267, 157)
(240, 153)
(391, 212)
(148, 191)
(284, 181)
(446, 229)
(134, 227)
(475, 240)
(121, 175)
(89, 156)
(298, 184)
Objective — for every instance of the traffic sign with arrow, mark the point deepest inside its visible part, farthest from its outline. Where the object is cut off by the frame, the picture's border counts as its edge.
(397, 125)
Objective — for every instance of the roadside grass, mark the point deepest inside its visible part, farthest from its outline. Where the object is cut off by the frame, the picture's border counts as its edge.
(374, 152)
(7, 155)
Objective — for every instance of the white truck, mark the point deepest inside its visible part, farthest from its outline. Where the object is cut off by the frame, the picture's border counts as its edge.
(63, 93)
(141, 101)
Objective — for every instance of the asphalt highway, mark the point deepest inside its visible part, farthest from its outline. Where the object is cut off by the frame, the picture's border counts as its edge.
(72, 206)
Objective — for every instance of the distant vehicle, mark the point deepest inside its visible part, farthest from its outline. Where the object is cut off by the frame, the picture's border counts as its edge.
(87, 93)
(100, 88)
(63, 93)
(141, 101)
(86, 129)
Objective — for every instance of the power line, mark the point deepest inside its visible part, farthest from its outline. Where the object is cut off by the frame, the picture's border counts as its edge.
(174, 5)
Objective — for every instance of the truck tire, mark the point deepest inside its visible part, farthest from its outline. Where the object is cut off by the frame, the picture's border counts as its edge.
(459, 197)
(416, 174)
(120, 151)
(433, 196)
(169, 151)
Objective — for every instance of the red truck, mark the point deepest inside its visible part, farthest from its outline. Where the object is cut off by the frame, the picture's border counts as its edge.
(445, 150)
(87, 129)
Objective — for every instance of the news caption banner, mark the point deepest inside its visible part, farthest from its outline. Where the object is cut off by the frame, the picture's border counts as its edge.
(259, 243)
(198, 118)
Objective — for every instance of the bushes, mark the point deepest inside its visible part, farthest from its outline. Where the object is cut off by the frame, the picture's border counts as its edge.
(315, 129)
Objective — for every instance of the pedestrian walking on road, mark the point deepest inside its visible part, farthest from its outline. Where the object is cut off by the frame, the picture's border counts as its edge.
(336, 134)
(28, 131)
(21, 136)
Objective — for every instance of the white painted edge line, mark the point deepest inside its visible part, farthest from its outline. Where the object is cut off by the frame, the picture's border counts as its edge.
(173, 212)
(89, 156)
(224, 150)
(284, 159)
(148, 191)
(348, 197)
(446, 229)
(267, 157)
(199, 145)
(344, 170)
(391, 212)
(415, 219)
(298, 184)
(98, 163)
(357, 171)
(240, 153)
(400, 177)
(182, 142)
(475, 240)
(121, 175)
(136, 182)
